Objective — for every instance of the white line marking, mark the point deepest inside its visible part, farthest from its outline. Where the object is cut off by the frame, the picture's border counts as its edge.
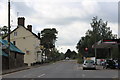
(83, 75)
(24, 76)
(115, 77)
(0, 77)
(27, 75)
(41, 75)
(12, 73)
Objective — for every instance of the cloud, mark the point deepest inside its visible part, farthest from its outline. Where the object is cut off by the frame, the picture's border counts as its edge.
(23, 9)
(113, 27)
(3, 14)
(70, 17)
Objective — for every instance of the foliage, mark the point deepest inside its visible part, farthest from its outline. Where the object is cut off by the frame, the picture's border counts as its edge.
(48, 38)
(3, 31)
(71, 54)
(99, 31)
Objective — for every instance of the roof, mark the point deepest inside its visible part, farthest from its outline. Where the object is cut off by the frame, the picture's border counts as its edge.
(12, 47)
(107, 43)
(26, 29)
(3, 53)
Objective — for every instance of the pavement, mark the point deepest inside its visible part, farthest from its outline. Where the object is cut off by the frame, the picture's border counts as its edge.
(63, 69)
(22, 68)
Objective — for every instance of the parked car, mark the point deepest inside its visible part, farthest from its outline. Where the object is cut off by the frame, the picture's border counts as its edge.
(109, 64)
(89, 64)
(102, 63)
(117, 64)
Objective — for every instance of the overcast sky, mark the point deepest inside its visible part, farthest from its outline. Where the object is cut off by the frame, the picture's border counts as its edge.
(71, 18)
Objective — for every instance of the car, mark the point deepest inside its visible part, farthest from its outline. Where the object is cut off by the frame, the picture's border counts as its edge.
(67, 58)
(102, 63)
(117, 64)
(89, 64)
(109, 64)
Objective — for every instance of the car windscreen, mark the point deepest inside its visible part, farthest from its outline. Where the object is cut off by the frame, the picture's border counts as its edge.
(89, 61)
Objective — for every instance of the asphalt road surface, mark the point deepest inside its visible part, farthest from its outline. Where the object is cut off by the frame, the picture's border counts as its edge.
(63, 69)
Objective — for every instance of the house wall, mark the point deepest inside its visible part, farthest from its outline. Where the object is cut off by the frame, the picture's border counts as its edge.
(4, 63)
(26, 42)
(15, 62)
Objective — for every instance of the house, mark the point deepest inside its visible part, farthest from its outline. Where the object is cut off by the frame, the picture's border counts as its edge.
(13, 60)
(27, 41)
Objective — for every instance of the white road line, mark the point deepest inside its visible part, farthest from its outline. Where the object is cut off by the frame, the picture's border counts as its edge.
(12, 73)
(24, 76)
(27, 75)
(115, 77)
(83, 75)
(0, 77)
(41, 75)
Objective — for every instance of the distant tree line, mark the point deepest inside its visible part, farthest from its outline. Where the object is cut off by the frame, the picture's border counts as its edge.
(71, 54)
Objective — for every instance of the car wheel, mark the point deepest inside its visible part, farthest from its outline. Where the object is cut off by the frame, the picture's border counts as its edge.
(83, 68)
(106, 67)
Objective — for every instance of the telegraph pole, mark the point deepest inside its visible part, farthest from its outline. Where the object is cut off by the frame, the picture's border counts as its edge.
(9, 34)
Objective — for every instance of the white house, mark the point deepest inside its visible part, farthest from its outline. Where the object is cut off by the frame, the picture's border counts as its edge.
(27, 41)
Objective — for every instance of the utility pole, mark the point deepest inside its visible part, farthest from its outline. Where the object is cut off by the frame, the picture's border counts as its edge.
(9, 34)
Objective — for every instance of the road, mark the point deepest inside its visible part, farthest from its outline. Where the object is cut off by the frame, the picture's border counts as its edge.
(63, 69)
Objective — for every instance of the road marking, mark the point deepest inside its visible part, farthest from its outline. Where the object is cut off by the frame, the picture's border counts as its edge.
(83, 75)
(13, 73)
(27, 75)
(41, 75)
(24, 76)
(115, 77)
(0, 77)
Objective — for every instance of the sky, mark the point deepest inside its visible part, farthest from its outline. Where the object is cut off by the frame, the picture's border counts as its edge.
(71, 18)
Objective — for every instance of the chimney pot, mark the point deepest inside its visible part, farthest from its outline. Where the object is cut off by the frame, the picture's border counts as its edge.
(29, 27)
(39, 35)
(21, 21)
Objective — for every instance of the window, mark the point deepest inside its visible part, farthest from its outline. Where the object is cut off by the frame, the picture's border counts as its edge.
(27, 52)
(23, 37)
(14, 42)
(15, 33)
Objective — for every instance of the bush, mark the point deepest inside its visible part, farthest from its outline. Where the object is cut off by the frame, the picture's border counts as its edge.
(79, 60)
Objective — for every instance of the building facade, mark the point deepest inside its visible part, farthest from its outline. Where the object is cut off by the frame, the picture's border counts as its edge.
(13, 60)
(26, 41)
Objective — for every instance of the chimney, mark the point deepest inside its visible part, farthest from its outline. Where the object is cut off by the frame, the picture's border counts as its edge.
(29, 27)
(21, 21)
(39, 35)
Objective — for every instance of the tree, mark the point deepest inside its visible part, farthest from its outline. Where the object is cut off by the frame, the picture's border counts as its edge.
(68, 53)
(48, 38)
(71, 54)
(99, 31)
(3, 31)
